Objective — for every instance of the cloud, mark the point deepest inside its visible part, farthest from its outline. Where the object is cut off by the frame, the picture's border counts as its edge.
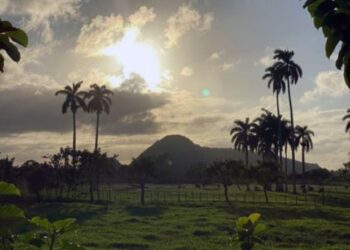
(143, 16)
(216, 55)
(227, 66)
(183, 21)
(267, 60)
(327, 84)
(207, 21)
(186, 71)
(102, 31)
(40, 14)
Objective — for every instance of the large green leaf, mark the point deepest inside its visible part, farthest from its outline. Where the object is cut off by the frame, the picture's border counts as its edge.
(43, 223)
(19, 36)
(10, 212)
(254, 217)
(7, 188)
(331, 44)
(10, 49)
(65, 225)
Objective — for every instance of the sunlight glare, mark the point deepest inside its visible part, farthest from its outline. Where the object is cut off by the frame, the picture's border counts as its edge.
(136, 57)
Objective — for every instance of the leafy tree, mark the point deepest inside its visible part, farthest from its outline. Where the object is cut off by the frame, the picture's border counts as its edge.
(198, 174)
(7, 169)
(303, 138)
(266, 173)
(142, 170)
(291, 73)
(99, 102)
(333, 16)
(246, 231)
(35, 176)
(225, 172)
(93, 165)
(74, 100)
(8, 36)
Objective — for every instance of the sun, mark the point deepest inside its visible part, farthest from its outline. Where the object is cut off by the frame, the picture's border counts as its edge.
(136, 57)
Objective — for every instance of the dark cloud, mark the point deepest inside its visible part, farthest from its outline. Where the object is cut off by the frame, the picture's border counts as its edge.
(30, 109)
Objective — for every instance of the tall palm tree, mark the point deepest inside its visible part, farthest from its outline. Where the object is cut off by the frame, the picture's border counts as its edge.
(99, 102)
(303, 138)
(286, 140)
(278, 85)
(74, 100)
(291, 73)
(347, 117)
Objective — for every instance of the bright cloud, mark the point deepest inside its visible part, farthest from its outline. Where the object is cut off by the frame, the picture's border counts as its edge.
(186, 71)
(183, 21)
(327, 84)
(40, 14)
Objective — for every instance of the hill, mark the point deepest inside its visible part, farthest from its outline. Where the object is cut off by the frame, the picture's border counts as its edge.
(182, 153)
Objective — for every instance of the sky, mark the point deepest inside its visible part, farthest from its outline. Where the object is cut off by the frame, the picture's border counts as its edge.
(175, 67)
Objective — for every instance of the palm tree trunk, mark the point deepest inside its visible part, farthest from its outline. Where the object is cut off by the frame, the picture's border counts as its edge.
(226, 194)
(303, 162)
(265, 193)
(279, 130)
(286, 165)
(97, 126)
(247, 163)
(292, 134)
(279, 184)
(74, 138)
(143, 193)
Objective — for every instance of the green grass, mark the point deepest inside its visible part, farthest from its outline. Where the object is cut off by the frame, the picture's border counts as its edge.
(203, 224)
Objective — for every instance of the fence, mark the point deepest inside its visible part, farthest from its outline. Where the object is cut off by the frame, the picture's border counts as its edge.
(156, 196)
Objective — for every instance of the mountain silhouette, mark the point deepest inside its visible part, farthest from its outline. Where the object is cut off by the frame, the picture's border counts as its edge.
(182, 154)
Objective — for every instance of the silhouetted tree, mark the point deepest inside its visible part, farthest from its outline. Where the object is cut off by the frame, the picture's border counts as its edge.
(9, 35)
(266, 173)
(242, 138)
(303, 138)
(286, 140)
(225, 172)
(278, 85)
(74, 100)
(7, 169)
(291, 73)
(35, 176)
(198, 174)
(142, 170)
(99, 102)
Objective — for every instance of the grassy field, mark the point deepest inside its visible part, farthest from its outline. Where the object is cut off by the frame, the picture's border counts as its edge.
(205, 224)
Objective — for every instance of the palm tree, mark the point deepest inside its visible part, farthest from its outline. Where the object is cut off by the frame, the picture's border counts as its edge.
(347, 117)
(303, 138)
(275, 80)
(99, 102)
(291, 73)
(286, 140)
(74, 100)
(241, 138)
(241, 133)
